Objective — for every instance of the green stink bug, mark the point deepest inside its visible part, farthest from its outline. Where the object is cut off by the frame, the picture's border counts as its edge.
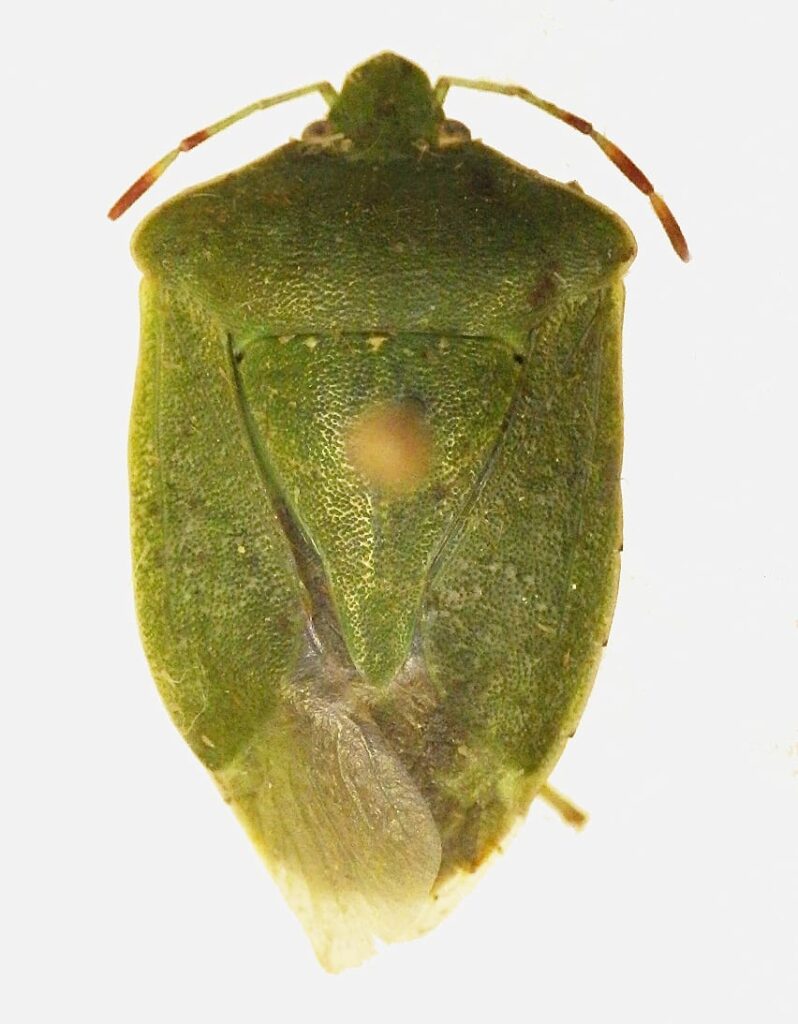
(375, 457)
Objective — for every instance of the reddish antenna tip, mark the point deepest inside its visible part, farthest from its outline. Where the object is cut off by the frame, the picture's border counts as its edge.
(671, 225)
(128, 198)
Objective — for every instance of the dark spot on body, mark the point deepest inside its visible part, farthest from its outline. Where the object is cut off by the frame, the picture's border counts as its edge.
(483, 183)
(317, 130)
(518, 358)
(543, 290)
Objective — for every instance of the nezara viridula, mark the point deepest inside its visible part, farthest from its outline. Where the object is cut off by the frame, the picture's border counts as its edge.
(374, 457)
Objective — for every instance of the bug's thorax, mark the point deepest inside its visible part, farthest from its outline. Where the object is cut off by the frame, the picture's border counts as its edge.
(281, 245)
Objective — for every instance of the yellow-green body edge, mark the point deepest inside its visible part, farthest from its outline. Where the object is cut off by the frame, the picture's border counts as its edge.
(379, 683)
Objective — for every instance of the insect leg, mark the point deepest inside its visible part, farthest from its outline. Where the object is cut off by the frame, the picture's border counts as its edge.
(569, 812)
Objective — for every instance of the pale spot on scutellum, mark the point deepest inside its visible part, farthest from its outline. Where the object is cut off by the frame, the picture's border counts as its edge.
(389, 445)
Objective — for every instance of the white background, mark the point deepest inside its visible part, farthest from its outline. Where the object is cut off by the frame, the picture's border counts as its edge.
(129, 893)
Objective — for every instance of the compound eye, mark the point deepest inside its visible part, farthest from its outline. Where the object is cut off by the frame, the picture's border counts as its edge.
(318, 131)
(451, 133)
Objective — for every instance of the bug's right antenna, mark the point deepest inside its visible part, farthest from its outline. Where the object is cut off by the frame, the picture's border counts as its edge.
(150, 176)
(615, 153)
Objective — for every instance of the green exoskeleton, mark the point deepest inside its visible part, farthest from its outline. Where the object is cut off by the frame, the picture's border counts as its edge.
(375, 456)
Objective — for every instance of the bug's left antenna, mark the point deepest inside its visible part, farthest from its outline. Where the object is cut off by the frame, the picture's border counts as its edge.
(152, 174)
(624, 164)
